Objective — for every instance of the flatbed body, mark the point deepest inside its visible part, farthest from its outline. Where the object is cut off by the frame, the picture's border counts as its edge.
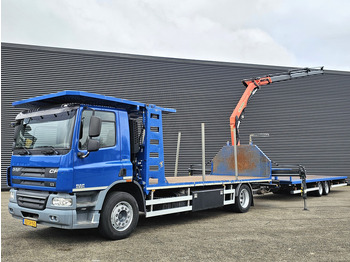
(208, 180)
(294, 180)
(293, 184)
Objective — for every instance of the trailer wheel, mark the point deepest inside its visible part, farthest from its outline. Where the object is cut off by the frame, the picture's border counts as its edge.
(319, 192)
(119, 216)
(326, 188)
(243, 199)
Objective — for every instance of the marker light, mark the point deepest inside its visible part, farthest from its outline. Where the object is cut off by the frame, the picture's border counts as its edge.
(12, 196)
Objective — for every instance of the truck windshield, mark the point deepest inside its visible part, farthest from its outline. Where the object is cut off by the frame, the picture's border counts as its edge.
(46, 132)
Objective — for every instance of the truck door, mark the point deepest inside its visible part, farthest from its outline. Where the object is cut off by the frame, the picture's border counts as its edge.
(101, 168)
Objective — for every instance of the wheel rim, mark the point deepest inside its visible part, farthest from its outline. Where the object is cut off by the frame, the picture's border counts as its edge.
(121, 216)
(244, 198)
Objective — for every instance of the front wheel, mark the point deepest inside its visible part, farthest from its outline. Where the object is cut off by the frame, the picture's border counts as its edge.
(243, 199)
(119, 216)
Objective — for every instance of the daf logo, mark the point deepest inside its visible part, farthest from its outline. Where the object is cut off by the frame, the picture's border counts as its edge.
(16, 169)
(53, 171)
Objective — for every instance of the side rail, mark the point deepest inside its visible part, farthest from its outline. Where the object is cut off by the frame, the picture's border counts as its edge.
(237, 197)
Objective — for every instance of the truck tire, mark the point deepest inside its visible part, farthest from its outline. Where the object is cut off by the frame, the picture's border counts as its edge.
(319, 192)
(243, 199)
(119, 216)
(326, 188)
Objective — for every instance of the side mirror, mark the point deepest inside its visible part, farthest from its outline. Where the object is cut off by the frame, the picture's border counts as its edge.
(93, 145)
(16, 132)
(17, 128)
(95, 126)
(94, 131)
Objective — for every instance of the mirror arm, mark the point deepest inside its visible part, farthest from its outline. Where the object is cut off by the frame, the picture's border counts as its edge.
(81, 154)
(93, 110)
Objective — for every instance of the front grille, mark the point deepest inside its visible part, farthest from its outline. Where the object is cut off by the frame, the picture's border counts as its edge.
(33, 172)
(34, 176)
(44, 172)
(32, 199)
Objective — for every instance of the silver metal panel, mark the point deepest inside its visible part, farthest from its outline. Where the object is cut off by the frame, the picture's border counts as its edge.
(167, 200)
(229, 202)
(307, 190)
(168, 211)
(229, 191)
(339, 185)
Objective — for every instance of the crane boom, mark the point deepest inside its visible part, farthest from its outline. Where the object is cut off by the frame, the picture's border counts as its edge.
(253, 84)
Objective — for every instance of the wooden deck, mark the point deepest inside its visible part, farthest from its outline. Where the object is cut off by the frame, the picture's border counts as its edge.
(208, 178)
(309, 178)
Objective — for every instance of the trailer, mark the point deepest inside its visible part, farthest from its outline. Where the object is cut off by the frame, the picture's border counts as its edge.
(83, 160)
(315, 185)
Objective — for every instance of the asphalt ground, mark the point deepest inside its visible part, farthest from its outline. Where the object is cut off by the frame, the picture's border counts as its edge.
(275, 229)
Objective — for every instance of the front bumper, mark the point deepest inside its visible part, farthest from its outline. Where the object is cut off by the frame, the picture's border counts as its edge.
(71, 218)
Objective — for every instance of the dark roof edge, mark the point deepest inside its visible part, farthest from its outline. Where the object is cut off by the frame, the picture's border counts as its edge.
(147, 57)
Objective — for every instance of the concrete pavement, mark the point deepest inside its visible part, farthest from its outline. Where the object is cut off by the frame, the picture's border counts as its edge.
(275, 229)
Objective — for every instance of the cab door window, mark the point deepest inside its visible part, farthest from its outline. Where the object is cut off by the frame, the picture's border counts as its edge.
(107, 137)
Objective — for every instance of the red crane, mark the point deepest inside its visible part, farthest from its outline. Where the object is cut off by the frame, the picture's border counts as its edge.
(252, 85)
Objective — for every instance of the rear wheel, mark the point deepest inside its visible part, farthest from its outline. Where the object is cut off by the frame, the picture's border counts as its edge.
(319, 192)
(243, 199)
(326, 188)
(119, 215)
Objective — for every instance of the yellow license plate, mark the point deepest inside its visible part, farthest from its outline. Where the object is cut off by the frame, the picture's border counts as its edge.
(29, 222)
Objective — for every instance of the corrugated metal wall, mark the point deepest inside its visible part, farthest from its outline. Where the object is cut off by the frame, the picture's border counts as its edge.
(307, 119)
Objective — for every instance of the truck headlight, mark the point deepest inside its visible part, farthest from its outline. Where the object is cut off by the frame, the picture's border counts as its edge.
(62, 202)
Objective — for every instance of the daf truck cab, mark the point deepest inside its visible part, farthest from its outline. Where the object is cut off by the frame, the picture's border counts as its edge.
(70, 149)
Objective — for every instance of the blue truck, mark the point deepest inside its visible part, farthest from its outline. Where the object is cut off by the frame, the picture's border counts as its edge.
(83, 160)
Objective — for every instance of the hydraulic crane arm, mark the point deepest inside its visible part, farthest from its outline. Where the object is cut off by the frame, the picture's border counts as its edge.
(252, 85)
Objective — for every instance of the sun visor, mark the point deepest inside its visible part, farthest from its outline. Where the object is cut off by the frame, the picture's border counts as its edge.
(52, 111)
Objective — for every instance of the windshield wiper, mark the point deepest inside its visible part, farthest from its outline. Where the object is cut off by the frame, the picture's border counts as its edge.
(25, 150)
(53, 150)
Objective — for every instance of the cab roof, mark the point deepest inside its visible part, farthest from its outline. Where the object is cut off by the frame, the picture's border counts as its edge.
(80, 97)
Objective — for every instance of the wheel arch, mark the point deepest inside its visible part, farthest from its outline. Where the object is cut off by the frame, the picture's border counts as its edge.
(132, 188)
